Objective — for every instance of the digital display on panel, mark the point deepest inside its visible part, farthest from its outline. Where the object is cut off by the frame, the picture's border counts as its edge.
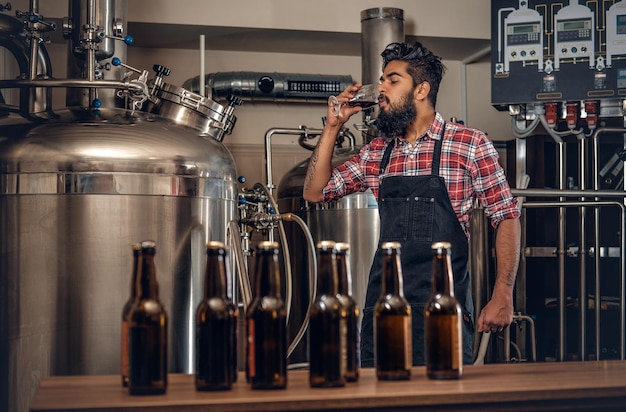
(573, 25)
(621, 24)
(526, 28)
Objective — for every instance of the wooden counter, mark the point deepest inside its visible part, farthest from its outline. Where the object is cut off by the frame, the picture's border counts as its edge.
(503, 387)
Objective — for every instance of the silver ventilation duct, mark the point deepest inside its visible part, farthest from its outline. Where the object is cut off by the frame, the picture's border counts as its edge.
(379, 27)
(271, 87)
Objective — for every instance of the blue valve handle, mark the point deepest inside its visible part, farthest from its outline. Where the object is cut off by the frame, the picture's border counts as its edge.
(116, 61)
(128, 40)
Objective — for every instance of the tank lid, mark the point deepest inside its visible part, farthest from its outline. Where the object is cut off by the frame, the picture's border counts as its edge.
(382, 13)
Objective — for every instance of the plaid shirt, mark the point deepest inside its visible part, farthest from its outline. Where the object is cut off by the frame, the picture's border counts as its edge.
(469, 166)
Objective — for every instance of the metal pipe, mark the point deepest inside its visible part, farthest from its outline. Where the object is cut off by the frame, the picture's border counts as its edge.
(582, 309)
(14, 38)
(507, 343)
(34, 45)
(72, 83)
(561, 249)
(240, 263)
(566, 193)
(290, 217)
(91, 51)
(596, 186)
(596, 239)
(622, 297)
(268, 147)
(533, 345)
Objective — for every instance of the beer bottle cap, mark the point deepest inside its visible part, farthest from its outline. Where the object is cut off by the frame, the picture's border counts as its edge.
(440, 246)
(342, 247)
(148, 246)
(326, 245)
(267, 245)
(215, 247)
(391, 245)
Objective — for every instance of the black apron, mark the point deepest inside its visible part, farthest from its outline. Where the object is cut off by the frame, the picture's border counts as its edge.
(416, 211)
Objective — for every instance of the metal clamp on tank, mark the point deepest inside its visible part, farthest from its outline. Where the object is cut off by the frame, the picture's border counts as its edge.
(191, 109)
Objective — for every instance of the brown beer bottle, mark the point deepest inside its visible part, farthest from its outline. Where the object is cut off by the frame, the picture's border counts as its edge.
(443, 317)
(327, 324)
(266, 323)
(147, 331)
(216, 325)
(344, 276)
(126, 311)
(392, 321)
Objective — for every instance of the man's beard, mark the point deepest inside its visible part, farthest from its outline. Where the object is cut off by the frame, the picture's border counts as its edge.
(396, 121)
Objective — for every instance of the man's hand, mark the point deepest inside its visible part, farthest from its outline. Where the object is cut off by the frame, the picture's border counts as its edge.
(497, 314)
(334, 119)
(320, 164)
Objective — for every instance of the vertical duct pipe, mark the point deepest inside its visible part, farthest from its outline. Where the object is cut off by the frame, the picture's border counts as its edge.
(380, 26)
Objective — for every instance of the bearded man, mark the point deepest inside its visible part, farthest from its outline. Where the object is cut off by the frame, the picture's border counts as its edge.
(425, 174)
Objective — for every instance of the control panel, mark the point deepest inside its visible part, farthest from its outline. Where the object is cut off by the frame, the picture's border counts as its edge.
(548, 50)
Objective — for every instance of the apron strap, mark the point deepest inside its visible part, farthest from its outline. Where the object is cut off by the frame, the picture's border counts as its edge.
(386, 156)
(437, 152)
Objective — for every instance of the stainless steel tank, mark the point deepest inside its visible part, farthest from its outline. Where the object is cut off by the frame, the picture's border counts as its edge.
(352, 219)
(75, 193)
(79, 185)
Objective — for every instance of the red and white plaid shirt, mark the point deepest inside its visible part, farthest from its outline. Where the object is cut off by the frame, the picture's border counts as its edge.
(469, 166)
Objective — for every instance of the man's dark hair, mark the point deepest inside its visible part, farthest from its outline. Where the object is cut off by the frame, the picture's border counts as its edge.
(423, 66)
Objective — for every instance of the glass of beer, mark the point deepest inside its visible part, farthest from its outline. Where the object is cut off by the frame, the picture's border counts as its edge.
(366, 97)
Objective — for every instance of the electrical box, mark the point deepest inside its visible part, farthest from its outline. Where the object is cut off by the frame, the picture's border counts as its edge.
(552, 51)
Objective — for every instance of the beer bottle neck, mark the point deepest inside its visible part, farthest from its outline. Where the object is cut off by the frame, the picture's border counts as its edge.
(215, 275)
(267, 276)
(136, 272)
(344, 280)
(147, 287)
(442, 275)
(392, 275)
(326, 274)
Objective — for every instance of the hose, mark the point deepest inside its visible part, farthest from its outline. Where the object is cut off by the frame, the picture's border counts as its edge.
(521, 133)
(482, 350)
(283, 242)
(244, 281)
(312, 277)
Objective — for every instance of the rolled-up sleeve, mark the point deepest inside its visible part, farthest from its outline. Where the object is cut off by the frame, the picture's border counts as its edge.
(490, 184)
